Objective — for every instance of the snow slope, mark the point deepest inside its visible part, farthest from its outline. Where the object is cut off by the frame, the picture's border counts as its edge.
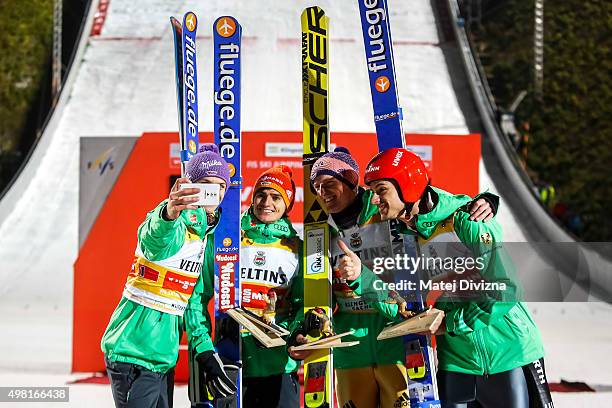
(124, 86)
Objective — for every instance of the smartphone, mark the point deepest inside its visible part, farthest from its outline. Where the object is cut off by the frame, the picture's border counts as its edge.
(208, 195)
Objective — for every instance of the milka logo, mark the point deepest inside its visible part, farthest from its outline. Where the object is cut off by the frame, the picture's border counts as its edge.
(208, 164)
(225, 99)
(374, 16)
(397, 158)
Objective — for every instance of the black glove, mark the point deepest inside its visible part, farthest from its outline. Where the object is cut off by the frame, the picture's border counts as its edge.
(292, 340)
(219, 372)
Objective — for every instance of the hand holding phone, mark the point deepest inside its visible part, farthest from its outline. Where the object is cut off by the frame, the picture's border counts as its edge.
(208, 194)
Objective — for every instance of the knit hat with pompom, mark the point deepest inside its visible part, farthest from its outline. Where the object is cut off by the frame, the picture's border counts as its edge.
(207, 163)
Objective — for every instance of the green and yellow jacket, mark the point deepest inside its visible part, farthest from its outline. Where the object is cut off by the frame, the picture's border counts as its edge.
(171, 262)
(270, 261)
(494, 333)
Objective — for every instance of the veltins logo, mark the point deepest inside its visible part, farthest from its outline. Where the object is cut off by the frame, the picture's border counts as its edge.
(260, 258)
(227, 241)
(382, 84)
(192, 146)
(191, 22)
(226, 27)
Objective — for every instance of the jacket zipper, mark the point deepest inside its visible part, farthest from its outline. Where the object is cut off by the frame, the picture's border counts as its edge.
(481, 350)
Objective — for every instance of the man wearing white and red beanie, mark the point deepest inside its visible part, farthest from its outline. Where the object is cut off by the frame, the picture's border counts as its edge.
(371, 373)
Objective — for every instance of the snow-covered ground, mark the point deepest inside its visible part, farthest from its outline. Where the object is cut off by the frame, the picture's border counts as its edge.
(124, 86)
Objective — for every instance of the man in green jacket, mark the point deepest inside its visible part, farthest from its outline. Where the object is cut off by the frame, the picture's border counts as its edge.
(483, 344)
(141, 341)
(372, 373)
(272, 288)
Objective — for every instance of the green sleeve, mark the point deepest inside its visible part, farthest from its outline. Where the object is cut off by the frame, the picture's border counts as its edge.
(485, 243)
(160, 239)
(197, 318)
(369, 286)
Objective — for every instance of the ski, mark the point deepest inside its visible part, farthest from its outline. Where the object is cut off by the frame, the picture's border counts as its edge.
(419, 360)
(318, 368)
(381, 71)
(186, 84)
(226, 81)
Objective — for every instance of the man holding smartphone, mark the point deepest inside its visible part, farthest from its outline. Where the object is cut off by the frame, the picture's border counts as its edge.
(175, 243)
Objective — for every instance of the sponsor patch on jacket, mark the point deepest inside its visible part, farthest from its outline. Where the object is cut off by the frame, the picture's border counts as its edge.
(486, 238)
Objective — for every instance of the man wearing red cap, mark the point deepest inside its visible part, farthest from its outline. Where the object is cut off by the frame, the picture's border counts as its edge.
(488, 340)
(372, 373)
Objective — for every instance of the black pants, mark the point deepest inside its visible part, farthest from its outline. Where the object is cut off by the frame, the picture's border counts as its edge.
(275, 391)
(134, 386)
(503, 390)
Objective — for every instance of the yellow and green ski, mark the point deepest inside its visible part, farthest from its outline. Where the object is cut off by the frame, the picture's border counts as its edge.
(318, 367)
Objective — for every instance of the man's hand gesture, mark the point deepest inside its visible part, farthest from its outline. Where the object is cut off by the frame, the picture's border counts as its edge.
(349, 265)
(180, 200)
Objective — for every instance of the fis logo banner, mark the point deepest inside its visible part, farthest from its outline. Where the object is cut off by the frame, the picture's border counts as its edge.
(381, 70)
(190, 86)
(103, 162)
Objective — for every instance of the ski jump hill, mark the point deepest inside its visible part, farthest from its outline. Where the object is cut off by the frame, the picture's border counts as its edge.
(121, 85)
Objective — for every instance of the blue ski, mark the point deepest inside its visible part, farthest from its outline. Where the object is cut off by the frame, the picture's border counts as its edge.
(375, 25)
(226, 72)
(186, 84)
(381, 72)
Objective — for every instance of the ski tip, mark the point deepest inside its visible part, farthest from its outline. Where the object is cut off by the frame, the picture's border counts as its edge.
(190, 22)
(226, 26)
(317, 9)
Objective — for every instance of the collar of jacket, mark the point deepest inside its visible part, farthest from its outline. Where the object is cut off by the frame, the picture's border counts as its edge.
(266, 233)
(447, 204)
(196, 220)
